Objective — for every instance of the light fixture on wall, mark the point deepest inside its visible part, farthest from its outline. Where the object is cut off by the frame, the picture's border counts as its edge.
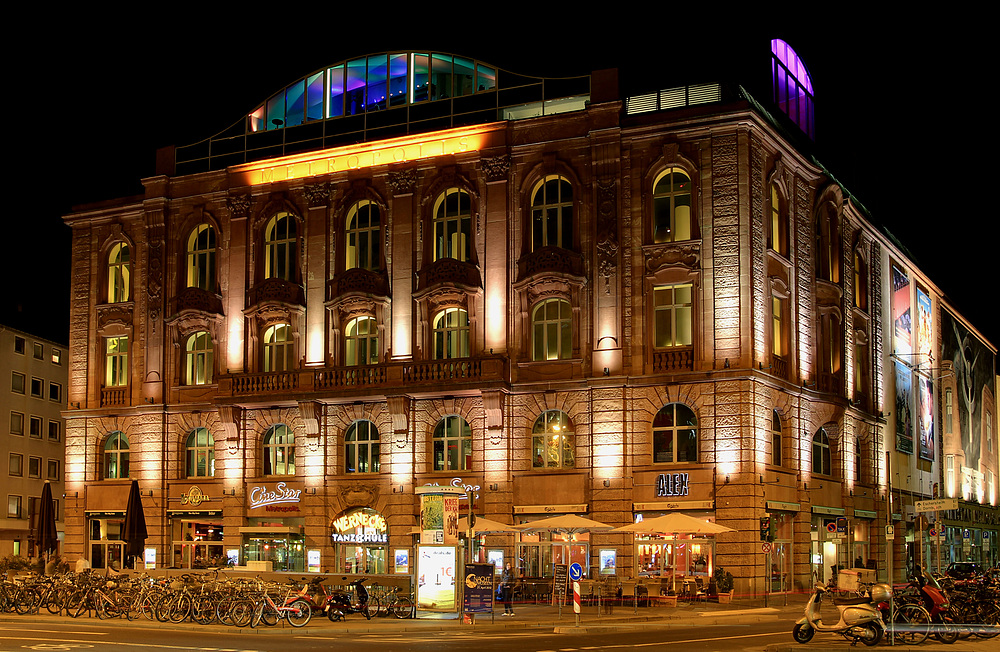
(494, 487)
(727, 478)
(229, 492)
(71, 494)
(607, 483)
(397, 490)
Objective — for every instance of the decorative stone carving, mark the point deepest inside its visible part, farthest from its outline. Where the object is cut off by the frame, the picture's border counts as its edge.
(228, 417)
(686, 255)
(358, 495)
(277, 290)
(550, 260)
(310, 413)
(197, 299)
(239, 205)
(496, 168)
(607, 231)
(318, 194)
(360, 281)
(114, 313)
(399, 413)
(451, 271)
(493, 407)
(402, 182)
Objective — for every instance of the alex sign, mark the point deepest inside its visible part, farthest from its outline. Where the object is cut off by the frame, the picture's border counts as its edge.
(672, 484)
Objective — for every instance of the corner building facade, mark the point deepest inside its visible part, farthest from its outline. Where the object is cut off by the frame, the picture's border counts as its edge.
(596, 304)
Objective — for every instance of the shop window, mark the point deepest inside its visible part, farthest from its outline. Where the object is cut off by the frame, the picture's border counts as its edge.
(451, 334)
(552, 213)
(280, 247)
(363, 236)
(116, 456)
(452, 444)
(116, 361)
(201, 258)
(775, 438)
(16, 423)
(672, 206)
(279, 348)
(777, 235)
(119, 277)
(17, 382)
(361, 342)
(453, 225)
(675, 434)
(821, 457)
(553, 443)
(552, 330)
(198, 359)
(361, 452)
(15, 464)
(672, 315)
(200, 448)
(279, 451)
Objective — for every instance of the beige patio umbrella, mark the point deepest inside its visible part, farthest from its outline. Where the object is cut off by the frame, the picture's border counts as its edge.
(566, 523)
(484, 526)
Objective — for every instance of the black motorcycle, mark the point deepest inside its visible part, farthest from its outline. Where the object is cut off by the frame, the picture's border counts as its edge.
(340, 602)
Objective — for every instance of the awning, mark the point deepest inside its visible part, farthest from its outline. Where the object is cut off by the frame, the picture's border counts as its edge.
(286, 529)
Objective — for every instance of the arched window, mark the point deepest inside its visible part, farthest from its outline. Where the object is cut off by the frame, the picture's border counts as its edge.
(675, 434)
(116, 456)
(828, 244)
(552, 330)
(775, 438)
(119, 276)
(672, 206)
(198, 359)
(552, 213)
(451, 334)
(792, 84)
(821, 453)
(201, 258)
(200, 454)
(860, 282)
(361, 342)
(363, 241)
(453, 225)
(280, 247)
(777, 235)
(553, 443)
(361, 453)
(279, 348)
(279, 451)
(452, 444)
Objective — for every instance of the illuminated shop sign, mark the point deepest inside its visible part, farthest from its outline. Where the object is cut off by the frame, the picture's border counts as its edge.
(672, 484)
(280, 499)
(460, 483)
(360, 526)
(194, 497)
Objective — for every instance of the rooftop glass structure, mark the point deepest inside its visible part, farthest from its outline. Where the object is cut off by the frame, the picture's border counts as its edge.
(792, 84)
(380, 96)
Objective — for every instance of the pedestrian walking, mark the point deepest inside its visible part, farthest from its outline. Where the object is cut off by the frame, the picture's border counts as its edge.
(507, 580)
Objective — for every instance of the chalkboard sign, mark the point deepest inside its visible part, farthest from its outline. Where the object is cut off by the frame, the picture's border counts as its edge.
(560, 580)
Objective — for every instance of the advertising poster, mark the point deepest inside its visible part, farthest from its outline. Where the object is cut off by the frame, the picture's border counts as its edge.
(923, 326)
(608, 561)
(402, 557)
(479, 590)
(904, 414)
(450, 520)
(901, 318)
(432, 519)
(925, 419)
(436, 570)
(495, 557)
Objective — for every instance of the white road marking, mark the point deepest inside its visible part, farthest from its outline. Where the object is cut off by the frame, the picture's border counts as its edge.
(66, 643)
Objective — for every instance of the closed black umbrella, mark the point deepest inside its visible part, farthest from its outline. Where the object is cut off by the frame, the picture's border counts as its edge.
(135, 525)
(45, 522)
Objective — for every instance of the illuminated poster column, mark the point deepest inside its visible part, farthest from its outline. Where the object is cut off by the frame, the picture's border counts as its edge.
(438, 556)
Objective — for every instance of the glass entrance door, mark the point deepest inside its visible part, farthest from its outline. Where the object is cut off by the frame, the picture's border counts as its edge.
(286, 552)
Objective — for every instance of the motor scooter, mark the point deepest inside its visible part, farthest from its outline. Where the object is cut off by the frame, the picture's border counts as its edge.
(341, 602)
(936, 605)
(860, 619)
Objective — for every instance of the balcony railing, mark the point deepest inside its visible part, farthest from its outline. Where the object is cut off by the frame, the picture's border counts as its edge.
(673, 360)
(265, 383)
(114, 396)
(779, 366)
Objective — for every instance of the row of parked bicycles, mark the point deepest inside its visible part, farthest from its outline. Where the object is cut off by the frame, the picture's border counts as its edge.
(204, 598)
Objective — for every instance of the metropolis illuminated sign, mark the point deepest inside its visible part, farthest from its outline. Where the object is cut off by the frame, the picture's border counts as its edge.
(672, 484)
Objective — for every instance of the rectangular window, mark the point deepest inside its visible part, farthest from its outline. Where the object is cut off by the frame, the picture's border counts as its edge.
(34, 467)
(16, 423)
(672, 315)
(777, 326)
(35, 427)
(949, 478)
(56, 356)
(55, 431)
(989, 432)
(55, 392)
(19, 345)
(14, 464)
(38, 350)
(116, 360)
(13, 507)
(17, 383)
(53, 470)
(948, 407)
(37, 387)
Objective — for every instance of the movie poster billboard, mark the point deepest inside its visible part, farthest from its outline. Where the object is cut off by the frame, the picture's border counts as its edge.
(923, 326)
(451, 520)
(904, 414)
(925, 418)
(901, 318)
(973, 368)
(432, 518)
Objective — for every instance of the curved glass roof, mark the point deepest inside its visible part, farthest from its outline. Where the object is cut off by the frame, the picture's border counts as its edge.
(784, 52)
(379, 96)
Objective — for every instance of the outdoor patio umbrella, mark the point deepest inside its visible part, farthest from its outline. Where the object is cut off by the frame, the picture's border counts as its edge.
(45, 523)
(135, 525)
(566, 523)
(484, 526)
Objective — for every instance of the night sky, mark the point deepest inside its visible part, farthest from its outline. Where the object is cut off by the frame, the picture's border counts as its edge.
(898, 110)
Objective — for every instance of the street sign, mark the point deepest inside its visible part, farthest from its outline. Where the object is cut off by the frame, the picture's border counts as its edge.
(888, 530)
(765, 547)
(575, 571)
(831, 527)
(940, 504)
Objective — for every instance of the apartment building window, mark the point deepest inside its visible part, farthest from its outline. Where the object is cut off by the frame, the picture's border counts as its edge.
(280, 241)
(35, 427)
(552, 330)
(279, 348)
(361, 342)
(552, 213)
(452, 444)
(777, 236)
(116, 361)
(361, 448)
(53, 470)
(55, 431)
(116, 456)
(17, 382)
(19, 344)
(16, 423)
(279, 451)
(672, 206)
(119, 276)
(775, 438)
(675, 434)
(821, 458)
(38, 350)
(451, 334)
(201, 258)
(363, 236)
(15, 464)
(198, 359)
(34, 467)
(37, 387)
(200, 453)
(55, 392)
(553, 443)
(453, 225)
(672, 310)
(56, 356)
(13, 506)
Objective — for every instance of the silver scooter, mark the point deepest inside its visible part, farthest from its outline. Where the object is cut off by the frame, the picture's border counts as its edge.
(860, 619)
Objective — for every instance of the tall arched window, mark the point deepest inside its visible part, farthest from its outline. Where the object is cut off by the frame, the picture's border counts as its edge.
(552, 330)
(777, 235)
(860, 282)
(672, 206)
(116, 456)
(201, 258)
(363, 241)
(361, 342)
(200, 449)
(452, 444)
(119, 276)
(828, 244)
(552, 213)
(453, 225)
(553, 443)
(279, 348)
(279, 451)
(451, 334)
(198, 359)
(775, 438)
(675, 434)
(280, 247)
(822, 462)
(361, 442)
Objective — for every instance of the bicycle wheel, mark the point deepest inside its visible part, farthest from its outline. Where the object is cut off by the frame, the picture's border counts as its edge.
(240, 612)
(180, 609)
(989, 617)
(299, 614)
(265, 613)
(56, 599)
(911, 625)
(26, 601)
(403, 608)
(203, 610)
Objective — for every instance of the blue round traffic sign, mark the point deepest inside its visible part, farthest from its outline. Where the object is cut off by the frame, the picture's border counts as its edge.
(575, 571)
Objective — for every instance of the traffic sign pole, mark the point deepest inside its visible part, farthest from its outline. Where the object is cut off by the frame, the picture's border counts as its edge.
(576, 602)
